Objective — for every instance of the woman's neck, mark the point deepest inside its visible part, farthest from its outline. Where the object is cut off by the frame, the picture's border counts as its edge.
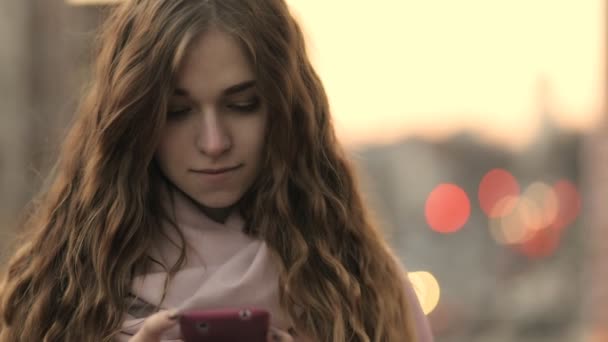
(218, 215)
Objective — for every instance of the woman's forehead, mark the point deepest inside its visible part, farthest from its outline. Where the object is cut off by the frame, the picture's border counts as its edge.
(214, 61)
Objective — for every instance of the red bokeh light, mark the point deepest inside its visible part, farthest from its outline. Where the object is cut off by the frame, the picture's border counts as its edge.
(542, 214)
(569, 201)
(447, 208)
(542, 243)
(493, 188)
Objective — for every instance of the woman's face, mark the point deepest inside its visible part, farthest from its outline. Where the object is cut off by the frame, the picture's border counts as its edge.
(212, 144)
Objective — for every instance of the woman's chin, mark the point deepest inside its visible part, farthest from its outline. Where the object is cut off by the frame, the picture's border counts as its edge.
(219, 201)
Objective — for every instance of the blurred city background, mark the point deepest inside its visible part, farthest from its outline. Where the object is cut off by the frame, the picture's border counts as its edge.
(478, 128)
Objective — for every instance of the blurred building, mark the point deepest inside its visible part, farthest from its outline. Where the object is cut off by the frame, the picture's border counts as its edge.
(489, 292)
(595, 162)
(595, 278)
(44, 50)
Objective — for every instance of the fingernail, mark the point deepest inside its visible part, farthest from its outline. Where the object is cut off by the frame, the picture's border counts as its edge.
(173, 315)
(275, 336)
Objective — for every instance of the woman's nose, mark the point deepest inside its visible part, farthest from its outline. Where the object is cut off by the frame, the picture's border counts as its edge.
(213, 138)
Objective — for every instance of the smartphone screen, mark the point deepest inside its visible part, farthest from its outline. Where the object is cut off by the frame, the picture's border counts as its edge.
(225, 325)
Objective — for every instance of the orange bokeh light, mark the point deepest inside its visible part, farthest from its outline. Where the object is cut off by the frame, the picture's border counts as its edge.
(427, 290)
(512, 229)
(534, 227)
(546, 206)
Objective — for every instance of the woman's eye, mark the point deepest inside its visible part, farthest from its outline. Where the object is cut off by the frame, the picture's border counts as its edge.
(176, 113)
(246, 106)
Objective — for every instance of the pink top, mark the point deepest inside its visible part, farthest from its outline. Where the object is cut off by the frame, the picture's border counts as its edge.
(224, 268)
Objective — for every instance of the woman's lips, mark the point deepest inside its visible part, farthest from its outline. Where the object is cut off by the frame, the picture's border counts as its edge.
(217, 176)
(217, 171)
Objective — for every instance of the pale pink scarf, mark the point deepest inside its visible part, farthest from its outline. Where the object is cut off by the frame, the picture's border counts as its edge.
(224, 268)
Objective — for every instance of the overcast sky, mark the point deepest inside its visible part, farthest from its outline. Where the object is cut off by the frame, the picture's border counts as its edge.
(433, 67)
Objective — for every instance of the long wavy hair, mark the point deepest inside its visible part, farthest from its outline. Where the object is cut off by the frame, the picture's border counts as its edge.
(89, 230)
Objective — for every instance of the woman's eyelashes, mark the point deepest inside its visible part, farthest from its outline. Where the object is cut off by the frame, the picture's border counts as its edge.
(251, 105)
(177, 113)
(248, 106)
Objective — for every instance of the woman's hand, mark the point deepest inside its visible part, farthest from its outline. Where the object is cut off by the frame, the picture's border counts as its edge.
(276, 335)
(155, 325)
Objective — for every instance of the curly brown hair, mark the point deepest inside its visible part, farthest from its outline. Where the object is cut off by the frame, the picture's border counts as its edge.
(89, 231)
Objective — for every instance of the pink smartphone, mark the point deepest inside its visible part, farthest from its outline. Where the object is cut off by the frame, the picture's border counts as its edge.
(225, 325)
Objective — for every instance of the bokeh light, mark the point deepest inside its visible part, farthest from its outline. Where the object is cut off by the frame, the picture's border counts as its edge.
(494, 186)
(545, 206)
(447, 208)
(534, 226)
(570, 203)
(596, 334)
(542, 243)
(512, 228)
(427, 290)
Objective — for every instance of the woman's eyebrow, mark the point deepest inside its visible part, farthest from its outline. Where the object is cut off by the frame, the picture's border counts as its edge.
(237, 88)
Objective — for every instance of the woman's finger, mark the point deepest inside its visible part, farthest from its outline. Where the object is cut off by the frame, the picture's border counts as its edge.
(276, 335)
(154, 326)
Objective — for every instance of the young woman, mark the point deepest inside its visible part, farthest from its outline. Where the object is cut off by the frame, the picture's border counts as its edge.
(202, 171)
